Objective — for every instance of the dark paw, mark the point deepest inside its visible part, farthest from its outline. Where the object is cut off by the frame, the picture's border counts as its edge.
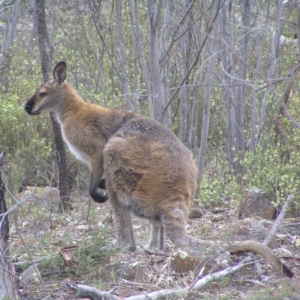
(99, 198)
(101, 184)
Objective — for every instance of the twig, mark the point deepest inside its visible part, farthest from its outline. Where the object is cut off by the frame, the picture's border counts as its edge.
(56, 272)
(34, 265)
(254, 282)
(136, 285)
(278, 221)
(83, 291)
(34, 261)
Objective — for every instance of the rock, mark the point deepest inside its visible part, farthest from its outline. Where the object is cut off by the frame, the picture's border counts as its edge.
(36, 194)
(29, 275)
(257, 204)
(184, 261)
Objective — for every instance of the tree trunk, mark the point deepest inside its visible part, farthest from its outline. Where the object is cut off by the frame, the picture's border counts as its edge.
(239, 111)
(206, 102)
(7, 279)
(63, 183)
(273, 68)
(123, 62)
(158, 89)
(226, 30)
(139, 48)
(8, 42)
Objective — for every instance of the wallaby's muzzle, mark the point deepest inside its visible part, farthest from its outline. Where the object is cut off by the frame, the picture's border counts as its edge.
(29, 107)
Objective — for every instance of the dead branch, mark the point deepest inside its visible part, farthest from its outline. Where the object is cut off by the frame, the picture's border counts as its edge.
(278, 221)
(85, 291)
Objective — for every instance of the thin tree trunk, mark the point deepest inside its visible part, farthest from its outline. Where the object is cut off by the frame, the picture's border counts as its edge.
(133, 11)
(124, 75)
(64, 188)
(206, 103)
(33, 34)
(239, 112)
(158, 90)
(184, 91)
(253, 126)
(8, 42)
(165, 37)
(274, 69)
(8, 288)
(226, 29)
(195, 110)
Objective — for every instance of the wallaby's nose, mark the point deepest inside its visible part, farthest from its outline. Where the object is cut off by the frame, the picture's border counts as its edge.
(27, 107)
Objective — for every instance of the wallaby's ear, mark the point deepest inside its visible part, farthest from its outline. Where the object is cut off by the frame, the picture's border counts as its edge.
(60, 72)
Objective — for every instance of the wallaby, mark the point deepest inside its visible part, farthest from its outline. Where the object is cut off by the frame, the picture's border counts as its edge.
(147, 170)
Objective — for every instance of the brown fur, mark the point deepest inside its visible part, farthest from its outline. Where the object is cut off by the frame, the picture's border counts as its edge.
(148, 171)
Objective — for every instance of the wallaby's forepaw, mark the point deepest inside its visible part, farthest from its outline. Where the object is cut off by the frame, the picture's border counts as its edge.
(102, 185)
(100, 197)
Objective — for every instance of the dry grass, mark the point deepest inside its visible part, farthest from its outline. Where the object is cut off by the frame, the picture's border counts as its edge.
(39, 231)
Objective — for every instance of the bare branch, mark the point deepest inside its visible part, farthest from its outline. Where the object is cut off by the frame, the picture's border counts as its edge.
(83, 291)
(195, 60)
(174, 38)
(278, 221)
(255, 71)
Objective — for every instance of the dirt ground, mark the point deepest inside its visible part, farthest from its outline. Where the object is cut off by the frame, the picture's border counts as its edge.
(79, 247)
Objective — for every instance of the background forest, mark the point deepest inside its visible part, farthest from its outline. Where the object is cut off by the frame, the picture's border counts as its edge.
(223, 75)
(215, 72)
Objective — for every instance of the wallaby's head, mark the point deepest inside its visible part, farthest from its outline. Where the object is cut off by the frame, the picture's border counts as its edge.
(47, 98)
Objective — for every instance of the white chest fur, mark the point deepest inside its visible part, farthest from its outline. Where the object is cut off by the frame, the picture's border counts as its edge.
(81, 156)
(77, 153)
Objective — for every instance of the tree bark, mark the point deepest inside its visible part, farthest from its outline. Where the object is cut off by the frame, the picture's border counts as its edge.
(206, 102)
(133, 12)
(8, 42)
(158, 89)
(239, 111)
(43, 39)
(8, 288)
(227, 62)
(123, 62)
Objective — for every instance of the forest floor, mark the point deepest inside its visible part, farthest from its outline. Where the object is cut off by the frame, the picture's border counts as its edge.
(73, 247)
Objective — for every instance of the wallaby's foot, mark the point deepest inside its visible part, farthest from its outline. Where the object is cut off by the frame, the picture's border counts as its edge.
(113, 245)
(125, 245)
(128, 248)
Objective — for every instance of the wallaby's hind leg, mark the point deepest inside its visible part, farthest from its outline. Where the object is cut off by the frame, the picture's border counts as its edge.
(115, 183)
(156, 239)
(174, 222)
(122, 218)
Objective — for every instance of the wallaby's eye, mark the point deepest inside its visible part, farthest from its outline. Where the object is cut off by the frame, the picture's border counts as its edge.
(42, 94)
